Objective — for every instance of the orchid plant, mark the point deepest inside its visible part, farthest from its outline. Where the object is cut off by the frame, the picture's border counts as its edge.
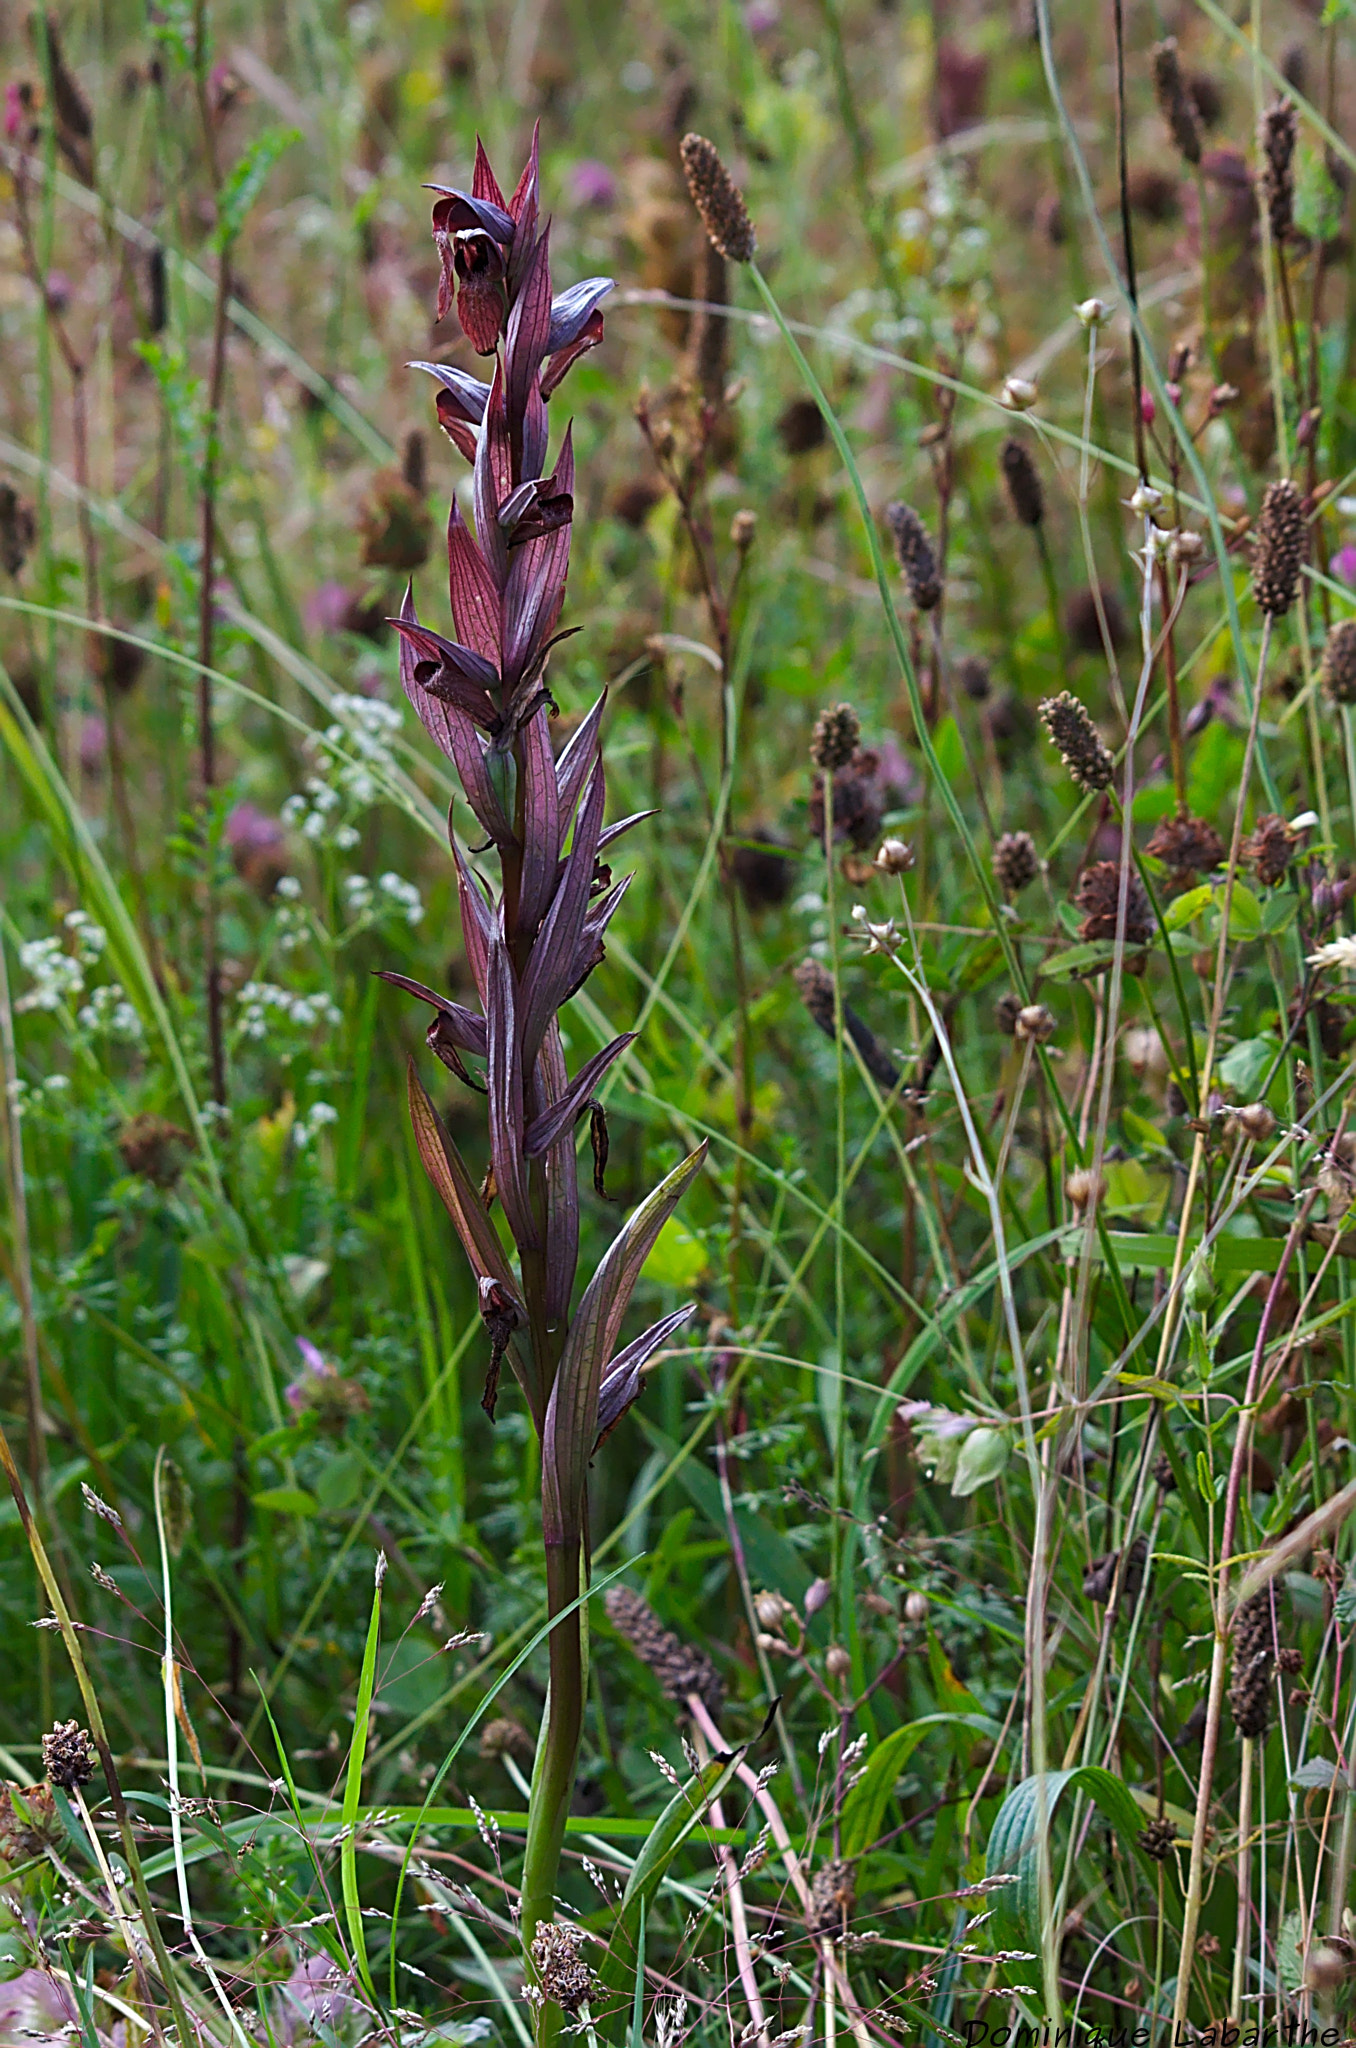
(532, 943)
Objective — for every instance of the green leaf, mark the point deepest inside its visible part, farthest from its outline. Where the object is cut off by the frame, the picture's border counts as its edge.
(353, 1785)
(1184, 909)
(864, 1807)
(1244, 1065)
(1245, 912)
(247, 180)
(1012, 1843)
(1279, 911)
(1078, 960)
(983, 1455)
(338, 1482)
(1141, 1132)
(678, 1260)
(286, 1500)
(1289, 1958)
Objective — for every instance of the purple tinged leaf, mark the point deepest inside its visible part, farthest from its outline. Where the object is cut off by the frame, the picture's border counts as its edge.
(564, 1114)
(625, 1377)
(453, 732)
(614, 832)
(589, 952)
(541, 823)
(553, 955)
(571, 1428)
(473, 591)
(562, 1183)
(572, 308)
(529, 326)
(452, 673)
(484, 184)
(577, 759)
(504, 1077)
(466, 1028)
(477, 921)
(524, 207)
(492, 482)
(535, 590)
(459, 212)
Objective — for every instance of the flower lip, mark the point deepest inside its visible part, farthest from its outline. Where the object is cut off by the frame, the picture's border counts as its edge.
(572, 309)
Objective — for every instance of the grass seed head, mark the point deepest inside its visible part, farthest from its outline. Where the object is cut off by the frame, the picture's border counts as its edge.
(563, 1977)
(680, 1669)
(1339, 662)
(717, 199)
(1175, 102)
(1015, 862)
(834, 740)
(1023, 481)
(68, 1755)
(1250, 1687)
(1278, 133)
(1159, 1840)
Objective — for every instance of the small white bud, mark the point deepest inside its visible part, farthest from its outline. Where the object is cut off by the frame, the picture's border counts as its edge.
(1144, 499)
(1019, 394)
(1092, 312)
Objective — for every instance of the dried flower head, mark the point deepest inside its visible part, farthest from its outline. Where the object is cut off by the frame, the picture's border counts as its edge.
(1255, 1122)
(506, 1737)
(1175, 102)
(1006, 1011)
(894, 857)
(1279, 549)
(1269, 848)
(680, 1669)
(1024, 485)
(1098, 897)
(1015, 862)
(154, 1148)
(28, 1823)
(1290, 1660)
(1034, 1024)
(1187, 847)
(68, 1755)
(915, 555)
(833, 1894)
(1339, 662)
(717, 199)
(1080, 744)
(834, 740)
(1277, 139)
(1159, 1840)
(563, 1977)
(1250, 1687)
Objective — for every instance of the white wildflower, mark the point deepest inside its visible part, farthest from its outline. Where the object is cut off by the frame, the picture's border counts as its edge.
(1337, 953)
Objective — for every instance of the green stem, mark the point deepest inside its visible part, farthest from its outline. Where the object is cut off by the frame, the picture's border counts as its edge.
(557, 1755)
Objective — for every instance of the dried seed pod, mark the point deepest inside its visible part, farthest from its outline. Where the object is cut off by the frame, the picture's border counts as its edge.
(1250, 1687)
(914, 552)
(1006, 1011)
(1280, 548)
(1098, 897)
(1014, 861)
(834, 740)
(1279, 130)
(894, 857)
(68, 1755)
(1159, 1839)
(1080, 744)
(1270, 847)
(1034, 1024)
(1175, 102)
(1023, 481)
(717, 199)
(1339, 662)
(1187, 846)
(680, 1669)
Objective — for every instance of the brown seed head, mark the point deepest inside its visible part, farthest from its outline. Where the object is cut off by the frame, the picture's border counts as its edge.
(895, 857)
(1098, 897)
(764, 867)
(680, 1669)
(1175, 102)
(1014, 861)
(1269, 848)
(506, 1737)
(834, 740)
(1250, 1688)
(1339, 662)
(972, 673)
(717, 199)
(833, 1895)
(1024, 485)
(1079, 743)
(1186, 846)
(1035, 1024)
(1279, 549)
(1290, 1660)
(1006, 1011)
(1277, 139)
(68, 1755)
(915, 555)
(563, 1977)
(1159, 1840)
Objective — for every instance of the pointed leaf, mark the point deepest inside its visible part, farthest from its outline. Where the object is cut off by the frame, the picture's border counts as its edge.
(473, 591)
(613, 832)
(467, 393)
(492, 481)
(557, 367)
(572, 1411)
(624, 1378)
(562, 1182)
(467, 1029)
(541, 823)
(529, 327)
(504, 1077)
(483, 181)
(553, 955)
(460, 1197)
(461, 213)
(535, 590)
(563, 1114)
(477, 920)
(576, 760)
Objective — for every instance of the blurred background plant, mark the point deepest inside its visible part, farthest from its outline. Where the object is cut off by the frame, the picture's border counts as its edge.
(1011, 1444)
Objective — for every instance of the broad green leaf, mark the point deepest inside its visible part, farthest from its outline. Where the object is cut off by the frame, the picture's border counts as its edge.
(1012, 1843)
(1245, 912)
(1077, 960)
(1184, 909)
(286, 1500)
(1245, 1064)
